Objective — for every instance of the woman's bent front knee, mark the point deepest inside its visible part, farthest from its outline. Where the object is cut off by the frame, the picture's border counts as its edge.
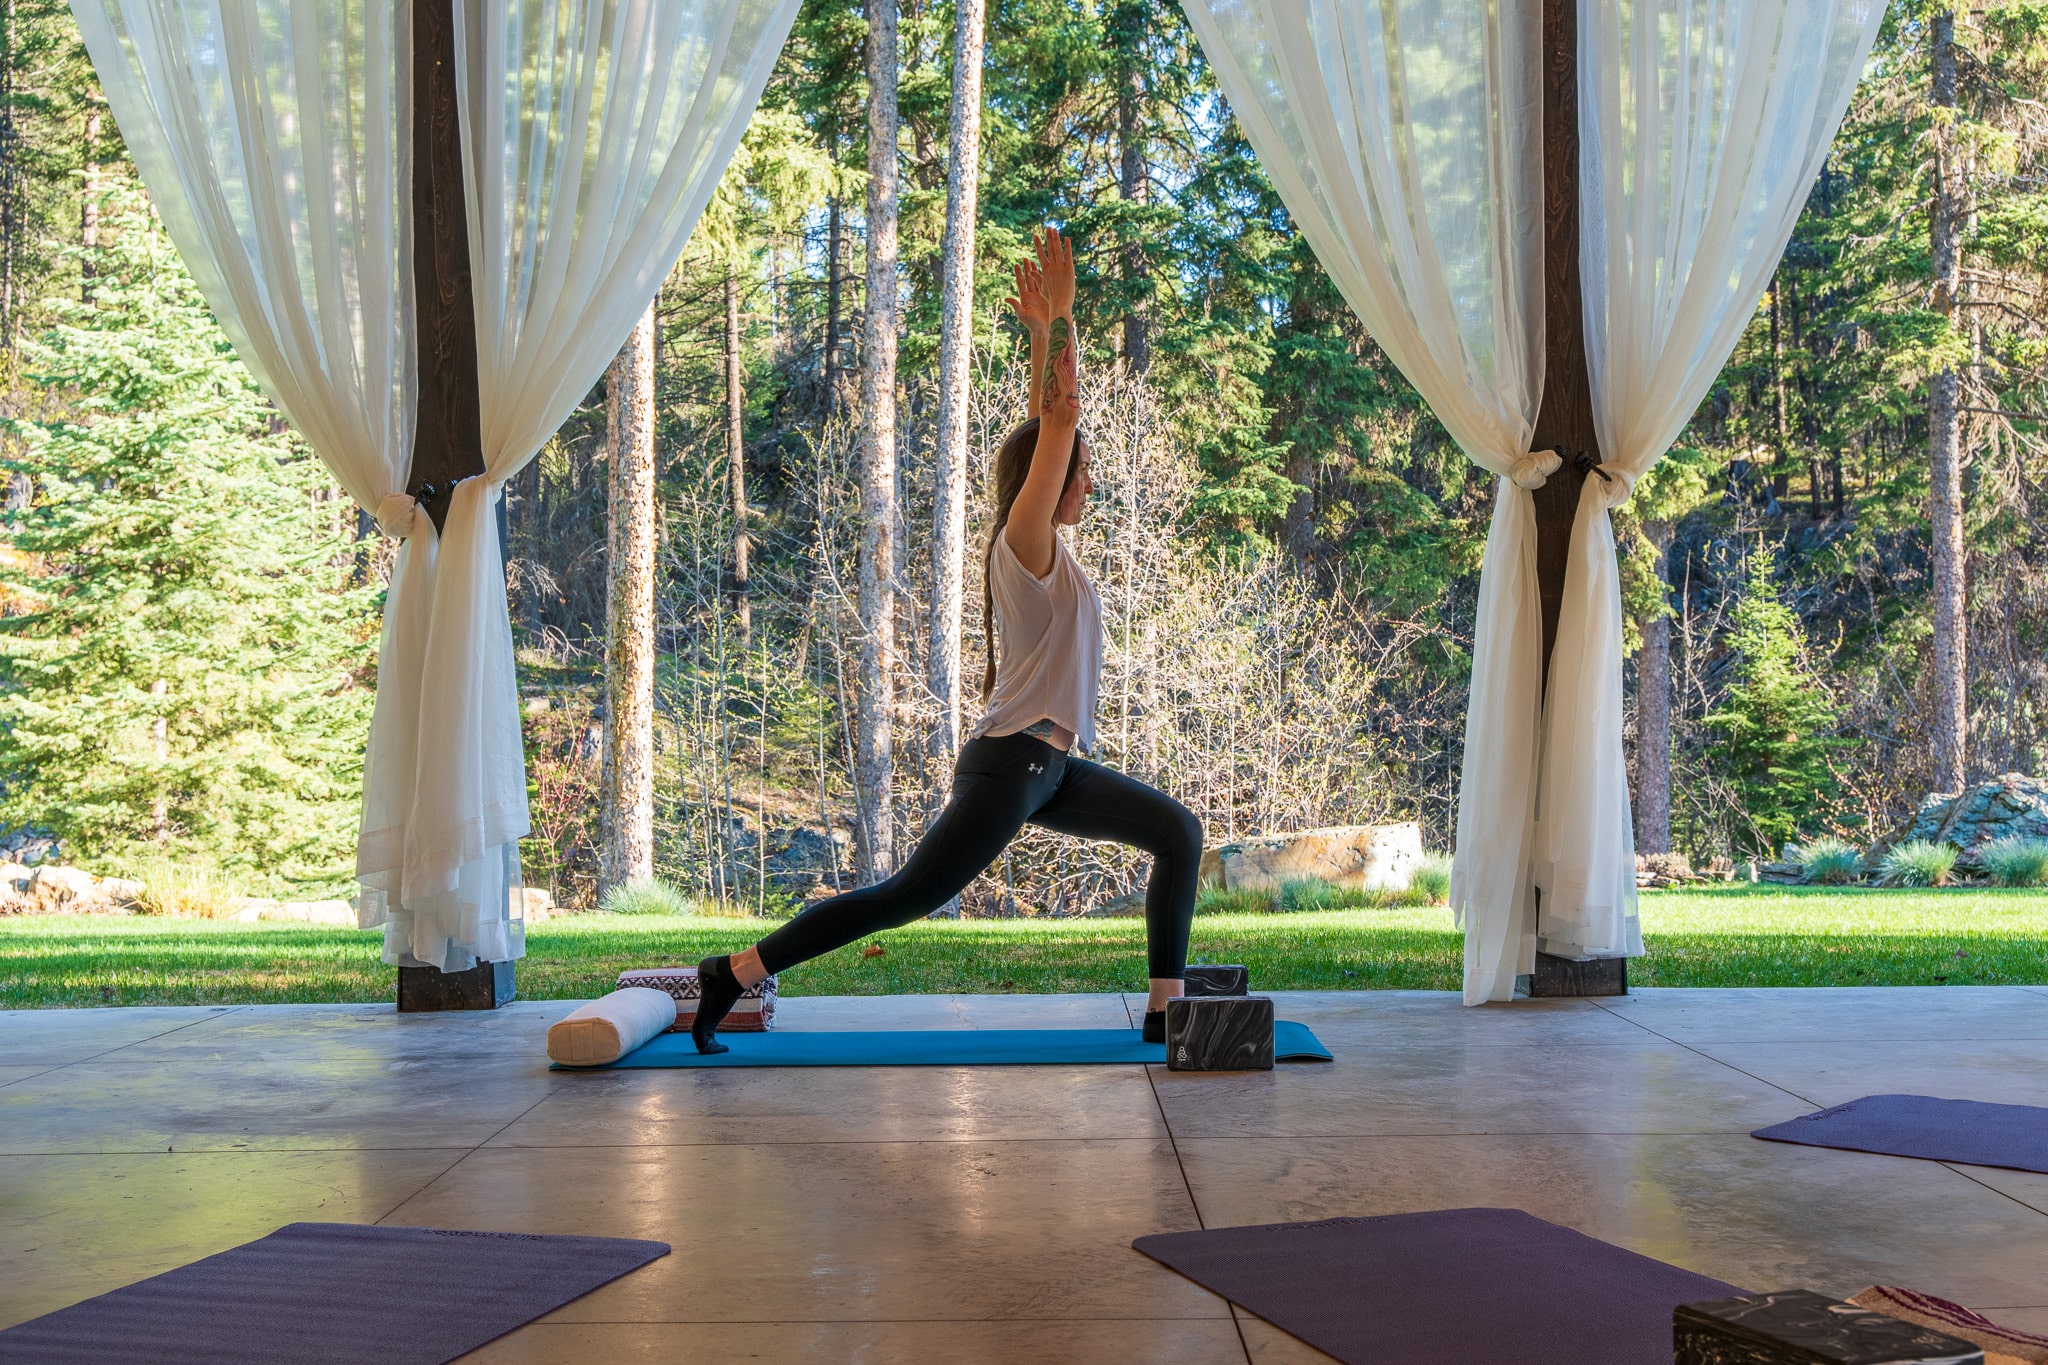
(1185, 833)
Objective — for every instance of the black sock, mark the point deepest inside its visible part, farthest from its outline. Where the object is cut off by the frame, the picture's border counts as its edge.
(718, 990)
(1155, 1026)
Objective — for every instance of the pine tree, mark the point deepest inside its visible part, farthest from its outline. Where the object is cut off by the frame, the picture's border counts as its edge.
(1778, 717)
(184, 667)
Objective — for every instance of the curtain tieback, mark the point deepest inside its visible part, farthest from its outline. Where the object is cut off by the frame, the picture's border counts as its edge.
(1535, 468)
(1616, 484)
(397, 515)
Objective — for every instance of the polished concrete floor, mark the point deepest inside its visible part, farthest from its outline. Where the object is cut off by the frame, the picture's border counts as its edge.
(945, 1214)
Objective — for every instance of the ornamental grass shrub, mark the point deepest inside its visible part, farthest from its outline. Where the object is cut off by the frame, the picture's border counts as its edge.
(1314, 893)
(1831, 861)
(1918, 862)
(182, 890)
(1243, 900)
(2015, 860)
(1432, 880)
(649, 896)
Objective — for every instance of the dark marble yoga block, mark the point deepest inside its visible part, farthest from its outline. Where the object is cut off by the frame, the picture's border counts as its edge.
(1208, 978)
(1799, 1327)
(1219, 1033)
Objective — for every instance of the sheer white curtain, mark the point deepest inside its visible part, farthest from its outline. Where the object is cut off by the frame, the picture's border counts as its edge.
(1702, 124)
(277, 149)
(276, 142)
(593, 133)
(1405, 138)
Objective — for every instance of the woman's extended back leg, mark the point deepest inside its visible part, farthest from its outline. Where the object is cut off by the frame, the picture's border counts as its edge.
(985, 813)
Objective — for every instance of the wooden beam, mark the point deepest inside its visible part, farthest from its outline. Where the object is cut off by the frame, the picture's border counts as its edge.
(448, 442)
(1564, 422)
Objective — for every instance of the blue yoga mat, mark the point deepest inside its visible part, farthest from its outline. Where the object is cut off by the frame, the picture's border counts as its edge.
(939, 1047)
(1967, 1131)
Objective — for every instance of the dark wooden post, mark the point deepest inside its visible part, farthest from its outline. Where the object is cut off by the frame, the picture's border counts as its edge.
(1564, 422)
(448, 445)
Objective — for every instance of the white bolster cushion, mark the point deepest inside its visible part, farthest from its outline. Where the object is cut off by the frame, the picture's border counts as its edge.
(606, 1030)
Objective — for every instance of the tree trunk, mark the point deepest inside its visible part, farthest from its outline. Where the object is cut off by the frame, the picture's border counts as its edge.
(629, 649)
(1816, 475)
(1298, 523)
(956, 346)
(736, 461)
(1653, 710)
(89, 202)
(874, 763)
(835, 253)
(10, 180)
(1132, 179)
(1781, 462)
(160, 736)
(1949, 723)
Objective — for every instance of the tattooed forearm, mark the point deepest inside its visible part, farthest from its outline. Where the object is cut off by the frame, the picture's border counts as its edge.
(1059, 337)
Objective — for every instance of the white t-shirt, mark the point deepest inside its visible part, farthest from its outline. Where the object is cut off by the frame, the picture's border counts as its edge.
(1048, 645)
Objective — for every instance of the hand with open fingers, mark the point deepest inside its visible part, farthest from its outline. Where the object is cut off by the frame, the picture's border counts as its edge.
(1029, 301)
(1056, 261)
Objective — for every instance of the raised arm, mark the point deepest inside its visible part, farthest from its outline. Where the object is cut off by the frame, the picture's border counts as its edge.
(1056, 386)
(1029, 303)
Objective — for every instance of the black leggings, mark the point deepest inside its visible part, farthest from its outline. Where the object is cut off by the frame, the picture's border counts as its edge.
(1000, 785)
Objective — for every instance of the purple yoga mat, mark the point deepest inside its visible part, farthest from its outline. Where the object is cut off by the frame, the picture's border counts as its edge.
(312, 1293)
(1966, 1131)
(1492, 1285)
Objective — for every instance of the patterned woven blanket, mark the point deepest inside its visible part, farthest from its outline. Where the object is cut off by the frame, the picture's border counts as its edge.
(2002, 1345)
(755, 1012)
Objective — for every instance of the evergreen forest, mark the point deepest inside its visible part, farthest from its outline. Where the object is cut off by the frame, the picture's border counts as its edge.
(1836, 586)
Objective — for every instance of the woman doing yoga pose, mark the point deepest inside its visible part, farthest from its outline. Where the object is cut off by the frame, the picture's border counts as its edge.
(1038, 696)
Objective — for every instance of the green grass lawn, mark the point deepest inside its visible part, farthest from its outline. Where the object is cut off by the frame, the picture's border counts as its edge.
(1726, 936)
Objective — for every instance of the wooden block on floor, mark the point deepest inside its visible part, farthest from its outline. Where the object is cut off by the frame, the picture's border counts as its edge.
(486, 986)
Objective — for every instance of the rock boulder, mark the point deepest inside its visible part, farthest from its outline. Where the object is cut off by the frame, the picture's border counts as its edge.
(797, 859)
(60, 889)
(1664, 869)
(121, 892)
(2014, 804)
(1374, 857)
